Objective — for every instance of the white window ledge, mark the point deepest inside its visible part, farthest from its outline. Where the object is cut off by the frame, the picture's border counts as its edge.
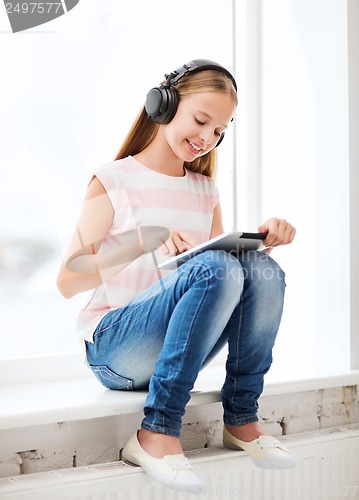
(30, 404)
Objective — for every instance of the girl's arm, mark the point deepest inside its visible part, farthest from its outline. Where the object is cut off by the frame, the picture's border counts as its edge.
(84, 267)
(217, 223)
(94, 222)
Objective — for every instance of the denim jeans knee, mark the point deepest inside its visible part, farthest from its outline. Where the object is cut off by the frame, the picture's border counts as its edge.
(260, 267)
(221, 266)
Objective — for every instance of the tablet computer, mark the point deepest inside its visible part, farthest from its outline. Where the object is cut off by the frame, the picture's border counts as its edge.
(233, 242)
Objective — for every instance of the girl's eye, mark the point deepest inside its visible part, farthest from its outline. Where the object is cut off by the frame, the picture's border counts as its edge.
(218, 134)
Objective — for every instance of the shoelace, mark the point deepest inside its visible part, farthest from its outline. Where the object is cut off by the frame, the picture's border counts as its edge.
(180, 465)
(271, 444)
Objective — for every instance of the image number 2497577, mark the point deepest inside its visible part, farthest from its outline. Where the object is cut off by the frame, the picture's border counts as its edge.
(24, 15)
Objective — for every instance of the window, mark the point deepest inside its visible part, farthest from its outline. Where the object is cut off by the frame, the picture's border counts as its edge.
(72, 95)
(293, 142)
(303, 174)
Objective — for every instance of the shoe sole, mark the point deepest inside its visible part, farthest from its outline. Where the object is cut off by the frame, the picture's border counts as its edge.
(270, 463)
(124, 457)
(127, 458)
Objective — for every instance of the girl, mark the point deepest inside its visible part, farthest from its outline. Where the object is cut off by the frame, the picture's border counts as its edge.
(143, 329)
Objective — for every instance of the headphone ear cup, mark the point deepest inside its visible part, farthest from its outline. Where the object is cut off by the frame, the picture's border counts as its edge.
(154, 102)
(161, 104)
(220, 140)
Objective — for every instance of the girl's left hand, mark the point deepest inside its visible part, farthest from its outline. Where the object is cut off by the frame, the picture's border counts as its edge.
(280, 232)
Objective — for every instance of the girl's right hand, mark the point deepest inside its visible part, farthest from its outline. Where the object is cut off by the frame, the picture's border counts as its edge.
(152, 237)
(177, 243)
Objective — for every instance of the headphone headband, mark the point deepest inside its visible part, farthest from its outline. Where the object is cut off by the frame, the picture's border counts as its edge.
(195, 66)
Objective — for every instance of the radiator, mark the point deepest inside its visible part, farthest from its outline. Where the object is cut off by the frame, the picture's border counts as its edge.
(328, 467)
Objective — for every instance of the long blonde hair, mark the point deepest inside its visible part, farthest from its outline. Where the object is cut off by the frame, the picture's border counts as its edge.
(144, 129)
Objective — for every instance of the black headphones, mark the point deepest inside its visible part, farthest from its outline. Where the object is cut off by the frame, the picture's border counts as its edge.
(162, 101)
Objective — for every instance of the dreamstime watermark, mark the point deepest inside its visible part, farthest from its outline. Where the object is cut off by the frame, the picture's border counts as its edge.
(24, 15)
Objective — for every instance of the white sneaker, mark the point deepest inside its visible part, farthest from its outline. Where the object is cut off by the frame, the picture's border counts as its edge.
(174, 471)
(265, 451)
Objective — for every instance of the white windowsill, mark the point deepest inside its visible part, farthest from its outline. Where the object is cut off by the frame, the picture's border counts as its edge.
(46, 402)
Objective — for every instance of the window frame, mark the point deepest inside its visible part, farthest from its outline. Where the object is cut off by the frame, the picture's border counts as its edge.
(353, 105)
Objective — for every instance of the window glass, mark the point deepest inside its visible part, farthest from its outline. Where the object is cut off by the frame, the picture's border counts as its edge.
(305, 174)
(292, 163)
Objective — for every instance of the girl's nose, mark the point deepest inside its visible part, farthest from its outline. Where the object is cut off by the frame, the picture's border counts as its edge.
(206, 136)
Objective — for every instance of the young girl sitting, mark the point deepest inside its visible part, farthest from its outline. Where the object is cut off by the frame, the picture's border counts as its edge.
(147, 329)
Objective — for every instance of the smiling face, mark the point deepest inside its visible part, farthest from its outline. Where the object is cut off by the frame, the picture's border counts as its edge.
(200, 120)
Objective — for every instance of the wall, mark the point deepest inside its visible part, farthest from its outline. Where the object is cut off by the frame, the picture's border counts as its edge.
(78, 443)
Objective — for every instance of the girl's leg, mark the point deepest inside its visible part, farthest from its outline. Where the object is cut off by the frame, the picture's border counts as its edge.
(251, 333)
(168, 331)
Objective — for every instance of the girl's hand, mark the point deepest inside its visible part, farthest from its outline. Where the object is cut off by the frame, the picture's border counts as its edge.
(280, 232)
(151, 237)
(177, 243)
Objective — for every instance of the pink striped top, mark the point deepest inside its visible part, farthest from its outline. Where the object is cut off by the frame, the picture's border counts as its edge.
(143, 197)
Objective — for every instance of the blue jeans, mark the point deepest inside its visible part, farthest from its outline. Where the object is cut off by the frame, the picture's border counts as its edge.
(162, 339)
